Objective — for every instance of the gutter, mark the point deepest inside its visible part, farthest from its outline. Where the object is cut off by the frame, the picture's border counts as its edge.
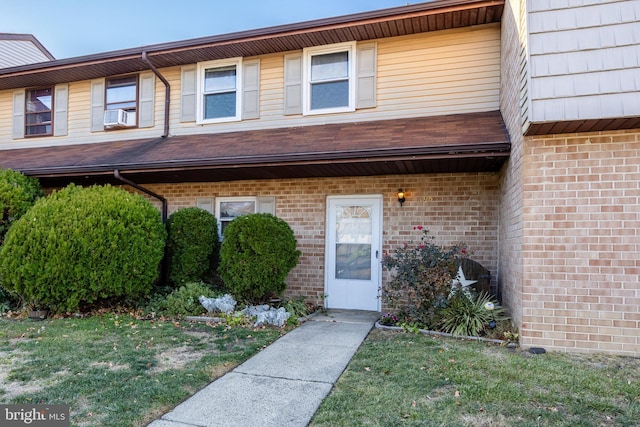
(116, 174)
(494, 149)
(167, 90)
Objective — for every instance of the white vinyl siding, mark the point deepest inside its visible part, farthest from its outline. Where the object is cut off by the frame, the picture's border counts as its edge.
(14, 53)
(446, 72)
(584, 60)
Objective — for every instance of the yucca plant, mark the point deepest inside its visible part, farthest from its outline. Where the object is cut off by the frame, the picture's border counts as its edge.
(469, 316)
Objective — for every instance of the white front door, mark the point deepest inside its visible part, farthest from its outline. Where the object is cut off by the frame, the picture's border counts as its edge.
(353, 269)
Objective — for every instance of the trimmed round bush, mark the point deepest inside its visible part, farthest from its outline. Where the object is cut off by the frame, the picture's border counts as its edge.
(192, 245)
(18, 193)
(83, 245)
(257, 253)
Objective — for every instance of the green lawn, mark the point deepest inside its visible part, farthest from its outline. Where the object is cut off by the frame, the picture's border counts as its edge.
(400, 379)
(116, 370)
(119, 371)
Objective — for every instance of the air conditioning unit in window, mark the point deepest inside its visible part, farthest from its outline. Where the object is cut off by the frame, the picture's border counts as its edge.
(119, 118)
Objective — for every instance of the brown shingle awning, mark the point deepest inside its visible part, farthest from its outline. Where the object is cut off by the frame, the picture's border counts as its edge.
(473, 142)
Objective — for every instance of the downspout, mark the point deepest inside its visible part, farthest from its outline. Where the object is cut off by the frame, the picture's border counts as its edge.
(167, 92)
(116, 174)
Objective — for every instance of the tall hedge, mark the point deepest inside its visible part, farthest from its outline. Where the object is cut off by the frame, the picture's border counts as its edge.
(82, 245)
(192, 245)
(17, 194)
(257, 253)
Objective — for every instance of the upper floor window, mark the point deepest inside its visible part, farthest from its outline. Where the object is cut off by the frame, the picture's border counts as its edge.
(219, 84)
(38, 112)
(121, 101)
(329, 79)
(122, 93)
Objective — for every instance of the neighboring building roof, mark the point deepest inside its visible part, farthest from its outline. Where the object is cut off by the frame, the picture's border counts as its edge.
(412, 19)
(21, 49)
(577, 126)
(474, 142)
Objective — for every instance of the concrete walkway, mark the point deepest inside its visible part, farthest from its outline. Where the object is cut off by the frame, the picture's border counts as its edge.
(285, 383)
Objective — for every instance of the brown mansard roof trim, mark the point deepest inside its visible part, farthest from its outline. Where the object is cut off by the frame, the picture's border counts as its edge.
(398, 21)
(474, 142)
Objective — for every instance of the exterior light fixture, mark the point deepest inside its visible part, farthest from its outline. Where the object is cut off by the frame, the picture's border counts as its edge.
(401, 198)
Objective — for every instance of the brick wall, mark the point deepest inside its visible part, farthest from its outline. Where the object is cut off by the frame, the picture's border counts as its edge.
(581, 287)
(454, 207)
(513, 91)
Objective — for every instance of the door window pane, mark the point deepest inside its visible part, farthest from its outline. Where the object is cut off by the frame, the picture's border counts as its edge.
(353, 242)
(353, 261)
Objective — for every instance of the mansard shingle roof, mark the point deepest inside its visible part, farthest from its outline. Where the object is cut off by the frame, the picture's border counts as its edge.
(471, 142)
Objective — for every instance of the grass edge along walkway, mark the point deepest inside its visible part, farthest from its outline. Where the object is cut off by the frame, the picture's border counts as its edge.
(115, 370)
(402, 379)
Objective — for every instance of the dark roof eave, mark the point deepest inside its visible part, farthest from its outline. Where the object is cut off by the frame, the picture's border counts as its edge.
(581, 126)
(494, 150)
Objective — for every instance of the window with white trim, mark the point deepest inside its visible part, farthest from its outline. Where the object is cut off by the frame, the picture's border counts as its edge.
(219, 91)
(229, 208)
(329, 79)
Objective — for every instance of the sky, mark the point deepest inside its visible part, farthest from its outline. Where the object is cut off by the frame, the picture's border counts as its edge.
(70, 28)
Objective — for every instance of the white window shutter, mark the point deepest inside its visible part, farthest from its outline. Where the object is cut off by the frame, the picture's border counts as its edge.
(60, 110)
(188, 95)
(97, 105)
(366, 75)
(251, 89)
(266, 204)
(293, 83)
(18, 114)
(146, 102)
